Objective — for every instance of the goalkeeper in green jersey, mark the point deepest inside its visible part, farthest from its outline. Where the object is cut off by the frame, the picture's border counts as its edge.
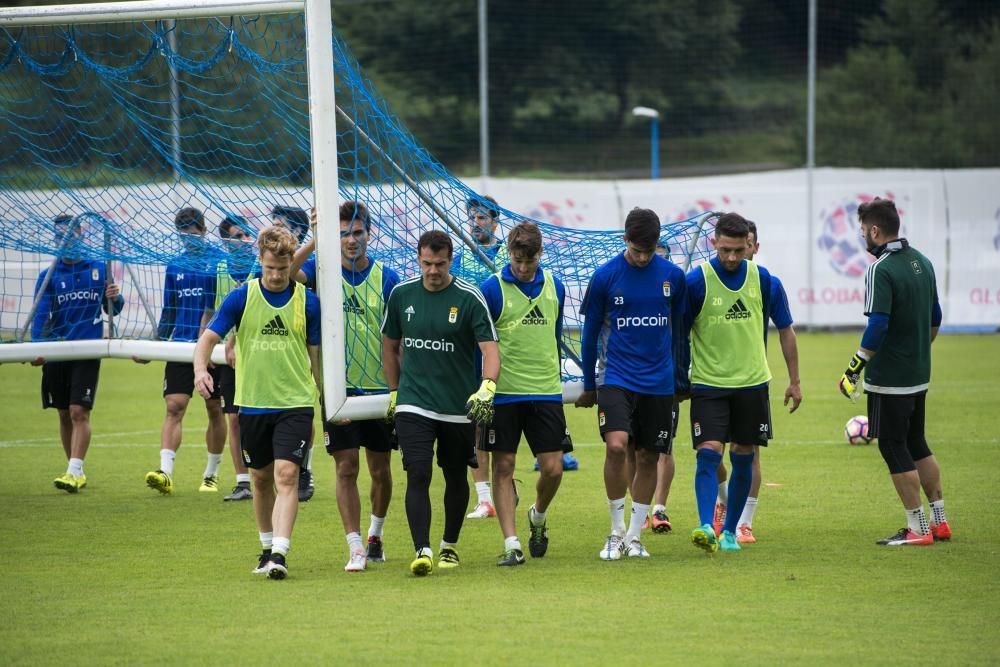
(434, 325)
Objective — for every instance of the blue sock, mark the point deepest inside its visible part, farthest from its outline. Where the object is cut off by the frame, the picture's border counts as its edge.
(739, 488)
(706, 484)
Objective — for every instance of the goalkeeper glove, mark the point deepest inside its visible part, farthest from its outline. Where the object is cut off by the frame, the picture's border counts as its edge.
(851, 378)
(480, 405)
(390, 413)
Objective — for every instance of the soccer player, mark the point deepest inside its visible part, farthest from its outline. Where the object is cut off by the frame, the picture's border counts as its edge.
(277, 323)
(901, 303)
(70, 309)
(434, 323)
(665, 465)
(367, 284)
(632, 310)
(231, 272)
(781, 316)
(526, 304)
(728, 302)
(187, 295)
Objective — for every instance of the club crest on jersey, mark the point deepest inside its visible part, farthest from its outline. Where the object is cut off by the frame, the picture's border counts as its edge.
(453, 315)
(94, 274)
(666, 289)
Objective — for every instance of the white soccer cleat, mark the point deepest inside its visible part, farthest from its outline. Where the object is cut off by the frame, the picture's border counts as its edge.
(613, 548)
(484, 510)
(358, 562)
(634, 549)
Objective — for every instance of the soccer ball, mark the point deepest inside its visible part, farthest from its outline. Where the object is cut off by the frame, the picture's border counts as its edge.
(856, 430)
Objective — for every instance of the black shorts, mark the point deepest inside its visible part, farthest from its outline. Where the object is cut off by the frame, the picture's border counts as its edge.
(66, 383)
(647, 418)
(455, 441)
(375, 435)
(178, 378)
(543, 424)
(275, 435)
(899, 418)
(740, 416)
(226, 387)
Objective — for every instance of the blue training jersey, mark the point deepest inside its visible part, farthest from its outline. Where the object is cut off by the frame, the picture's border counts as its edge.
(70, 308)
(187, 293)
(494, 301)
(631, 318)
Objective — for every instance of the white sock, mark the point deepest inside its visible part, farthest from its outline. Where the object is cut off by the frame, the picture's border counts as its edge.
(724, 492)
(537, 518)
(281, 545)
(76, 468)
(167, 461)
(212, 467)
(375, 529)
(639, 514)
(937, 510)
(748, 510)
(354, 542)
(917, 521)
(243, 478)
(483, 491)
(447, 545)
(617, 509)
(511, 543)
(266, 540)
(659, 508)
(426, 551)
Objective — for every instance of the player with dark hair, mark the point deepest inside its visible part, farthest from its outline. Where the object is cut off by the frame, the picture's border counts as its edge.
(76, 290)
(434, 325)
(366, 284)
(904, 315)
(526, 304)
(188, 293)
(294, 219)
(781, 316)
(277, 323)
(632, 312)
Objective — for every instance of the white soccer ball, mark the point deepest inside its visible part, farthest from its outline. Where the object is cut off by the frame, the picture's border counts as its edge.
(856, 430)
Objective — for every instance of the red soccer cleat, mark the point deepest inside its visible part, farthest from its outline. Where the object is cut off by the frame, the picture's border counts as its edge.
(940, 531)
(720, 517)
(907, 538)
(744, 534)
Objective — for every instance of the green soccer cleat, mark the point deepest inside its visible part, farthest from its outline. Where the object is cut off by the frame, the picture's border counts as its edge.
(209, 484)
(423, 564)
(81, 481)
(727, 542)
(67, 482)
(160, 481)
(448, 558)
(703, 537)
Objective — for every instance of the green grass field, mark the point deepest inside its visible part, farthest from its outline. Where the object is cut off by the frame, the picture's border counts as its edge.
(119, 575)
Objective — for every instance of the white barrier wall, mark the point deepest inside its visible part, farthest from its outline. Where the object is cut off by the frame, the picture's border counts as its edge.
(953, 217)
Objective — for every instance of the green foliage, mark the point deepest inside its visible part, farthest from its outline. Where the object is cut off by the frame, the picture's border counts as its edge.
(119, 575)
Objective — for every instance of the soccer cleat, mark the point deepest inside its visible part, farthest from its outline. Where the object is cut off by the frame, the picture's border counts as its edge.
(906, 537)
(661, 522)
(209, 484)
(704, 537)
(423, 564)
(240, 492)
(276, 568)
(262, 561)
(634, 549)
(448, 558)
(81, 481)
(744, 534)
(613, 548)
(720, 517)
(511, 558)
(538, 542)
(727, 542)
(941, 531)
(357, 563)
(67, 482)
(484, 510)
(306, 487)
(160, 481)
(376, 552)
(570, 463)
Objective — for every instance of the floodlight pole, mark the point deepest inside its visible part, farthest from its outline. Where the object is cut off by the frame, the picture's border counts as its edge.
(654, 138)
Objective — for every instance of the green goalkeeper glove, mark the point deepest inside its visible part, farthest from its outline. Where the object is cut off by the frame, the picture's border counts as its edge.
(480, 405)
(851, 378)
(390, 412)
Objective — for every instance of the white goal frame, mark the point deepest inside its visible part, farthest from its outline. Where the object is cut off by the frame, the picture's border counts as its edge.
(323, 131)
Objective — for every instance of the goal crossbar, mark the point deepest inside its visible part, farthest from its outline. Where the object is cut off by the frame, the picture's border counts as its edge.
(142, 10)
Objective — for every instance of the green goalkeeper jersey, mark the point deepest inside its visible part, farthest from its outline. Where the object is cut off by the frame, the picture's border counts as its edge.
(440, 334)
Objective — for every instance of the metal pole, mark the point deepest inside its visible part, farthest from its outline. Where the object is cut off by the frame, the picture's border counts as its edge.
(146, 10)
(811, 151)
(109, 278)
(175, 104)
(654, 147)
(484, 112)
